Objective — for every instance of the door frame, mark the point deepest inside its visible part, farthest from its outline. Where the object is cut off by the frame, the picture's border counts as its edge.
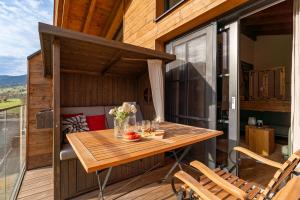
(234, 93)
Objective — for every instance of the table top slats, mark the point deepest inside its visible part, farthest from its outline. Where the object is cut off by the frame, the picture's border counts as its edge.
(99, 149)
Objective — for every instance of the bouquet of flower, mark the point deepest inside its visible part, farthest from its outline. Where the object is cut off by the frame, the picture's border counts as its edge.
(122, 112)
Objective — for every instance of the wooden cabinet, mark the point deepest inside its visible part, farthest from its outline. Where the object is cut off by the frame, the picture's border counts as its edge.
(260, 140)
(267, 84)
(247, 133)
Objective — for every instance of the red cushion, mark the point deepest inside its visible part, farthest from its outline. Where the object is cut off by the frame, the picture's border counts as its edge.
(96, 122)
(71, 115)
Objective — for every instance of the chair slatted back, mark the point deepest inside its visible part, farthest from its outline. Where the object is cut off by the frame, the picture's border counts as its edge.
(281, 175)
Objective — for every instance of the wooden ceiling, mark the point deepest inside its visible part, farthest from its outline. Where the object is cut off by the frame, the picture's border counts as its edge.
(276, 20)
(87, 54)
(96, 17)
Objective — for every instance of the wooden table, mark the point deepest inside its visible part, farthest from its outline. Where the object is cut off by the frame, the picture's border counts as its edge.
(99, 150)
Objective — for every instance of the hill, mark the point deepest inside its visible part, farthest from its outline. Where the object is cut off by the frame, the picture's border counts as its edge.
(9, 81)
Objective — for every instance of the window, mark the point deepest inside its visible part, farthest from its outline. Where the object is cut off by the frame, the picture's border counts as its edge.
(169, 4)
(163, 7)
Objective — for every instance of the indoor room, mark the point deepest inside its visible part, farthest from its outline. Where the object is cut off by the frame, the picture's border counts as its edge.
(265, 82)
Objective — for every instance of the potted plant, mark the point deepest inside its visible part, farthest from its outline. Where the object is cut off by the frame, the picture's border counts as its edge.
(121, 115)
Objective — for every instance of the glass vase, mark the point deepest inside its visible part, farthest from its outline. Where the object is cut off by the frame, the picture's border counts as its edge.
(131, 125)
(120, 127)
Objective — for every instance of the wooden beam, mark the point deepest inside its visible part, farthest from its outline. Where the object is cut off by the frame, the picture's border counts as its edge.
(56, 117)
(114, 22)
(89, 16)
(134, 59)
(52, 31)
(274, 32)
(56, 13)
(112, 62)
(46, 49)
(271, 27)
(75, 71)
(267, 20)
(65, 14)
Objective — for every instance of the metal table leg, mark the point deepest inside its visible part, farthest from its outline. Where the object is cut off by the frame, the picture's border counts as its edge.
(177, 163)
(100, 184)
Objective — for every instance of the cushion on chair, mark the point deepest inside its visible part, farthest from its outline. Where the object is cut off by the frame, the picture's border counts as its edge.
(67, 152)
(96, 122)
(87, 111)
(74, 124)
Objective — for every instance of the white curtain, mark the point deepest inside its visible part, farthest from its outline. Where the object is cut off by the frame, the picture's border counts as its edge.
(295, 108)
(157, 87)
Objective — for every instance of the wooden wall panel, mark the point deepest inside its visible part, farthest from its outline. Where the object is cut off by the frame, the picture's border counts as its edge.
(141, 29)
(90, 90)
(39, 141)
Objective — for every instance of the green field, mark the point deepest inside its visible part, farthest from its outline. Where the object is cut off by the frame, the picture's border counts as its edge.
(10, 103)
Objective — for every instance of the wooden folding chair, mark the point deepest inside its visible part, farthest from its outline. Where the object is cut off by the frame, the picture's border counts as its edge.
(220, 184)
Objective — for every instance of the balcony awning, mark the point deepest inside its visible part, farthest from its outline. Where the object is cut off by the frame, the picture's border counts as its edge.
(82, 53)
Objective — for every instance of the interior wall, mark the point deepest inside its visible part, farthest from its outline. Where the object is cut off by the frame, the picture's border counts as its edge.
(247, 49)
(39, 141)
(268, 51)
(274, 50)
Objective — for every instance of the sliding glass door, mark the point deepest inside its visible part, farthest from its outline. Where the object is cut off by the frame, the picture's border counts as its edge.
(227, 95)
(191, 85)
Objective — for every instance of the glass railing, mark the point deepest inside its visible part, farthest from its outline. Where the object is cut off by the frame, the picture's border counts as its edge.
(12, 150)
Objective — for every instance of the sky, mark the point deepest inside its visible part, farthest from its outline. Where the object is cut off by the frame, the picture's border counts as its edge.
(19, 32)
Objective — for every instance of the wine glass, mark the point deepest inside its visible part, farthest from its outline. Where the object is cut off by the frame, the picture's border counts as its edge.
(138, 126)
(145, 125)
(155, 125)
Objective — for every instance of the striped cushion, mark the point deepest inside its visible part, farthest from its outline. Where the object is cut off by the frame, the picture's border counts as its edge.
(74, 124)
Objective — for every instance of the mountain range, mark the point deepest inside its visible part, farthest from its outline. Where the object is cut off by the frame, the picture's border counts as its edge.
(9, 81)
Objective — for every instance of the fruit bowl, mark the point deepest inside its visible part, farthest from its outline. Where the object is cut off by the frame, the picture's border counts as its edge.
(131, 137)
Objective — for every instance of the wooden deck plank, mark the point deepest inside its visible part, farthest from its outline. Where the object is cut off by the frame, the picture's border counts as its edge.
(149, 188)
(34, 187)
(37, 184)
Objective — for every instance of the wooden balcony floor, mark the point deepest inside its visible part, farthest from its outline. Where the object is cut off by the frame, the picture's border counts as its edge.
(38, 184)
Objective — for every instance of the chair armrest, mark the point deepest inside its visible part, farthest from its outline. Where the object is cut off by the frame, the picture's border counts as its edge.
(233, 190)
(289, 191)
(258, 157)
(196, 186)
